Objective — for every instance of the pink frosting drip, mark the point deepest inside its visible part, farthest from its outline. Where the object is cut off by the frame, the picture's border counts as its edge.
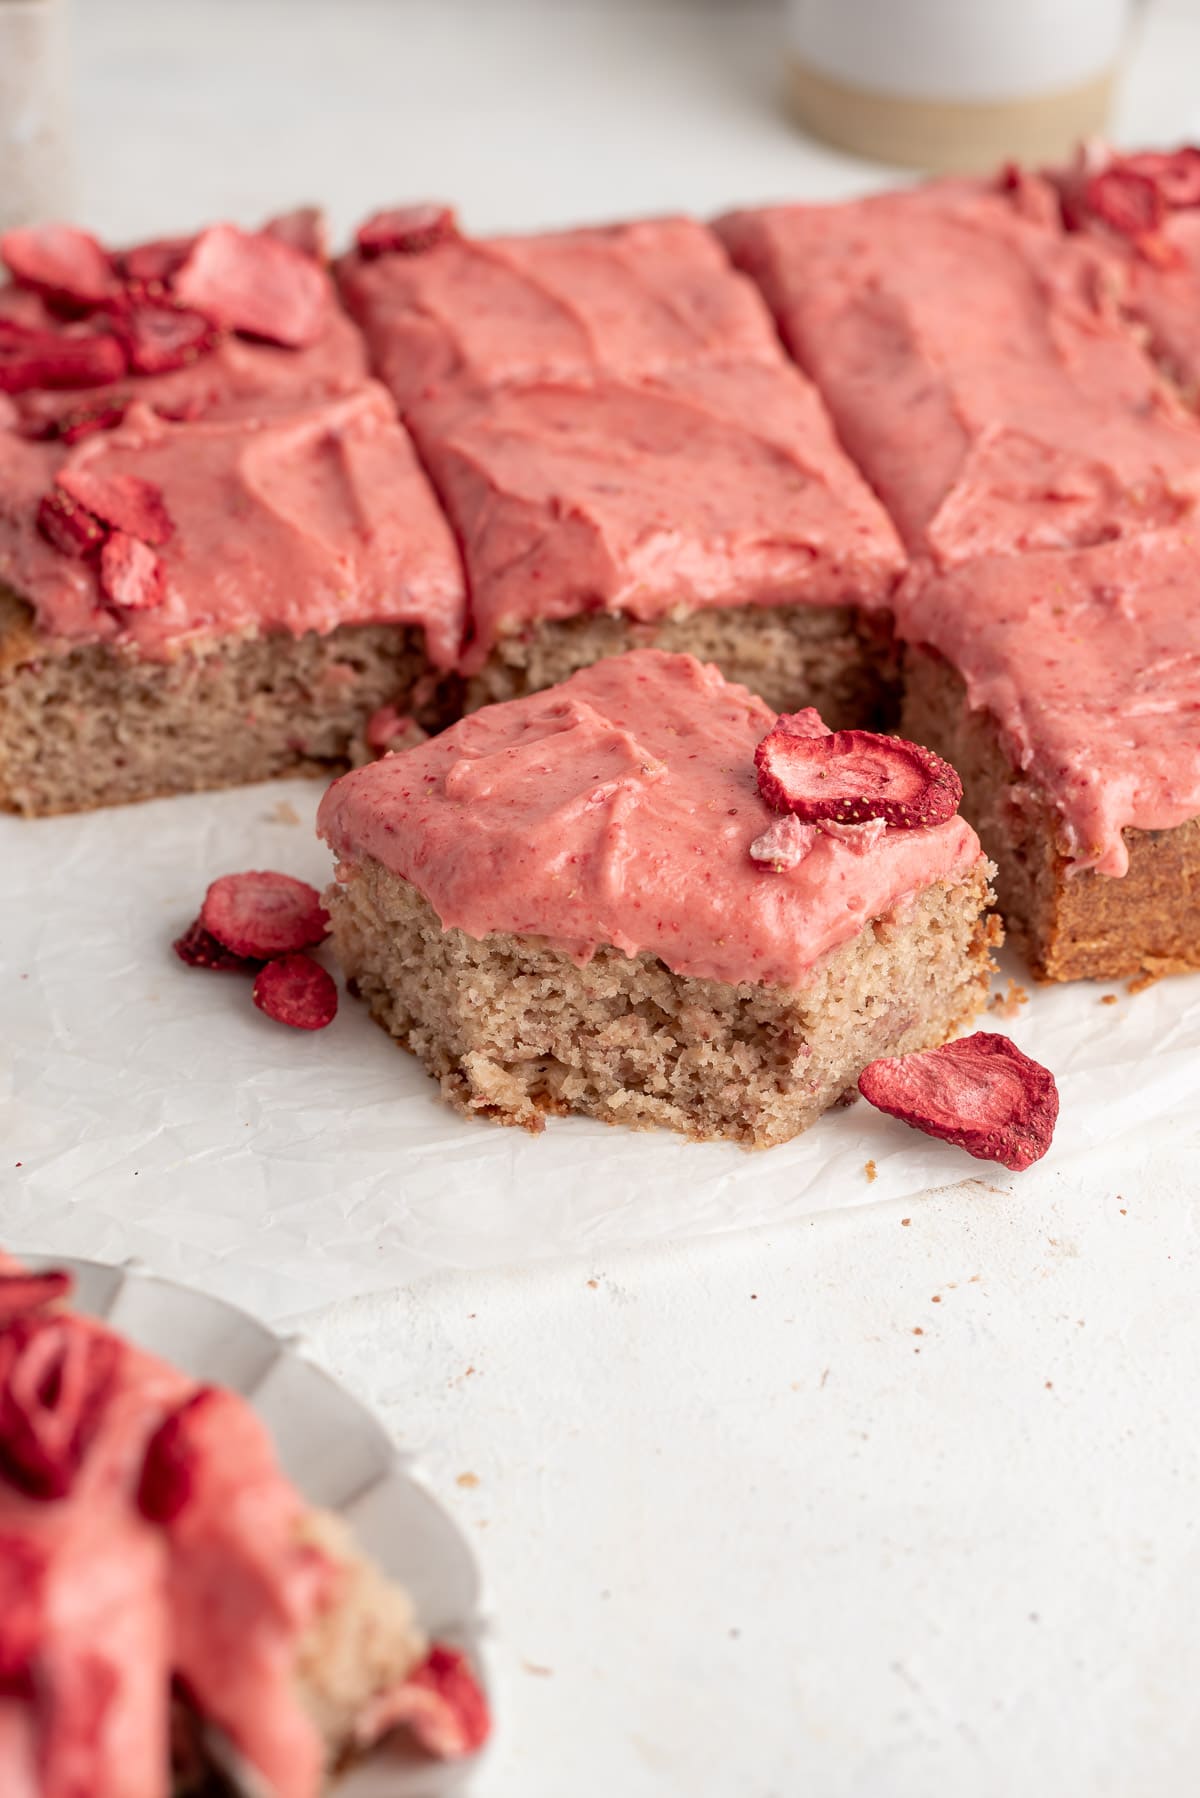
(714, 487)
(628, 300)
(218, 1598)
(975, 367)
(1090, 662)
(238, 379)
(620, 809)
(302, 520)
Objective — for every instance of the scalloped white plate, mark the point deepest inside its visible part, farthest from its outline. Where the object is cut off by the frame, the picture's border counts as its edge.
(334, 1451)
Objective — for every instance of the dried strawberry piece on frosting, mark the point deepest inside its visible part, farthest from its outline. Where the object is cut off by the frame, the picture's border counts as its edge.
(155, 263)
(200, 949)
(60, 262)
(55, 1375)
(303, 229)
(1175, 173)
(57, 360)
(784, 844)
(1127, 201)
(406, 230)
(85, 421)
(69, 527)
(441, 1702)
(24, 1565)
(247, 281)
(158, 337)
(263, 914)
(21, 1293)
(857, 837)
(131, 575)
(849, 776)
(124, 501)
(298, 991)
(176, 1452)
(981, 1093)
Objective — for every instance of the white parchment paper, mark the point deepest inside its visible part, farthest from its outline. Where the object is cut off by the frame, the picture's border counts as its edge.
(148, 1109)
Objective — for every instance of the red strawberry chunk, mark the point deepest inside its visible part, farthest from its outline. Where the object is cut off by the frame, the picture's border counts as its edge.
(54, 1381)
(200, 949)
(784, 843)
(160, 337)
(70, 527)
(131, 575)
(406, 230)
(441, 1703)
(30, 359)
(262, 914)
(981, 1093)
(297, 990)
(154, 263)
(254, 283)
(59, 261)
(176, 1452)
(86, 421)
(303, 229)
(1175, 173)
(1126, 201)
(124, 501)
(849, 776)
(24, 1566)
(22, 1293)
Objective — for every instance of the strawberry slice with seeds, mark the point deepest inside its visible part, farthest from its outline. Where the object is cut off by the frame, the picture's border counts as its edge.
(158, 337)
(60, 262)
(250, 282)
(68, 526)
(131, 575)
(31, 359)
(441, 1703)
(298, 991)
(262, 914)
(980, 1093)
(153, 264)
(86, 421)
(406, 230)
(124, 501)
(303, 229)
(849, 776)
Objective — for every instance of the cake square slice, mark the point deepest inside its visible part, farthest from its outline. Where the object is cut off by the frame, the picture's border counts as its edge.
(198, 605)
(556, 906)
(707, 510)
(975, 366)
(1065, 689)
(626, 299)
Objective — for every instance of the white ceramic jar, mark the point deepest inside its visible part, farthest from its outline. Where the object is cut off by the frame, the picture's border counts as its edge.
(954, 84)
(35, 120)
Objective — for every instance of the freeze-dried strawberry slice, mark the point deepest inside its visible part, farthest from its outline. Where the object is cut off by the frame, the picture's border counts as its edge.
(296, 990)
(980, 1093)
(131, 575)
(30, 359)
(61, 262)
(69, 526)
(303, 229)
(784, 844)
(124, 501)
(250, 282)
(54, 1380)
(1126, 201)
(176, 1450)
(153, 264)
(86, 421)
(852, 775)
(806, 723)
(857, 837)
(22, 1293)
(406, 230)
(1175, 173)
(441, 1702)
(264, 914)
(24, 1565)
(200, 949)
(159, 337)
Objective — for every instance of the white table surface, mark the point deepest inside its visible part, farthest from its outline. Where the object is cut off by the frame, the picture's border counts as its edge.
(889, 1502)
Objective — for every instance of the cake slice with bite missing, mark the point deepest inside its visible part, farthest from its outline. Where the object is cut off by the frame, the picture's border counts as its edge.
(592, 899)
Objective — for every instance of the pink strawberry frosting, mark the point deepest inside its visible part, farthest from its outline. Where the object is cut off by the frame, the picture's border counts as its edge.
(628, 300)
(620, 808)
(1089, 661)
(709, 486)
(976, 366)
(298, 520)
(101, 1607)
